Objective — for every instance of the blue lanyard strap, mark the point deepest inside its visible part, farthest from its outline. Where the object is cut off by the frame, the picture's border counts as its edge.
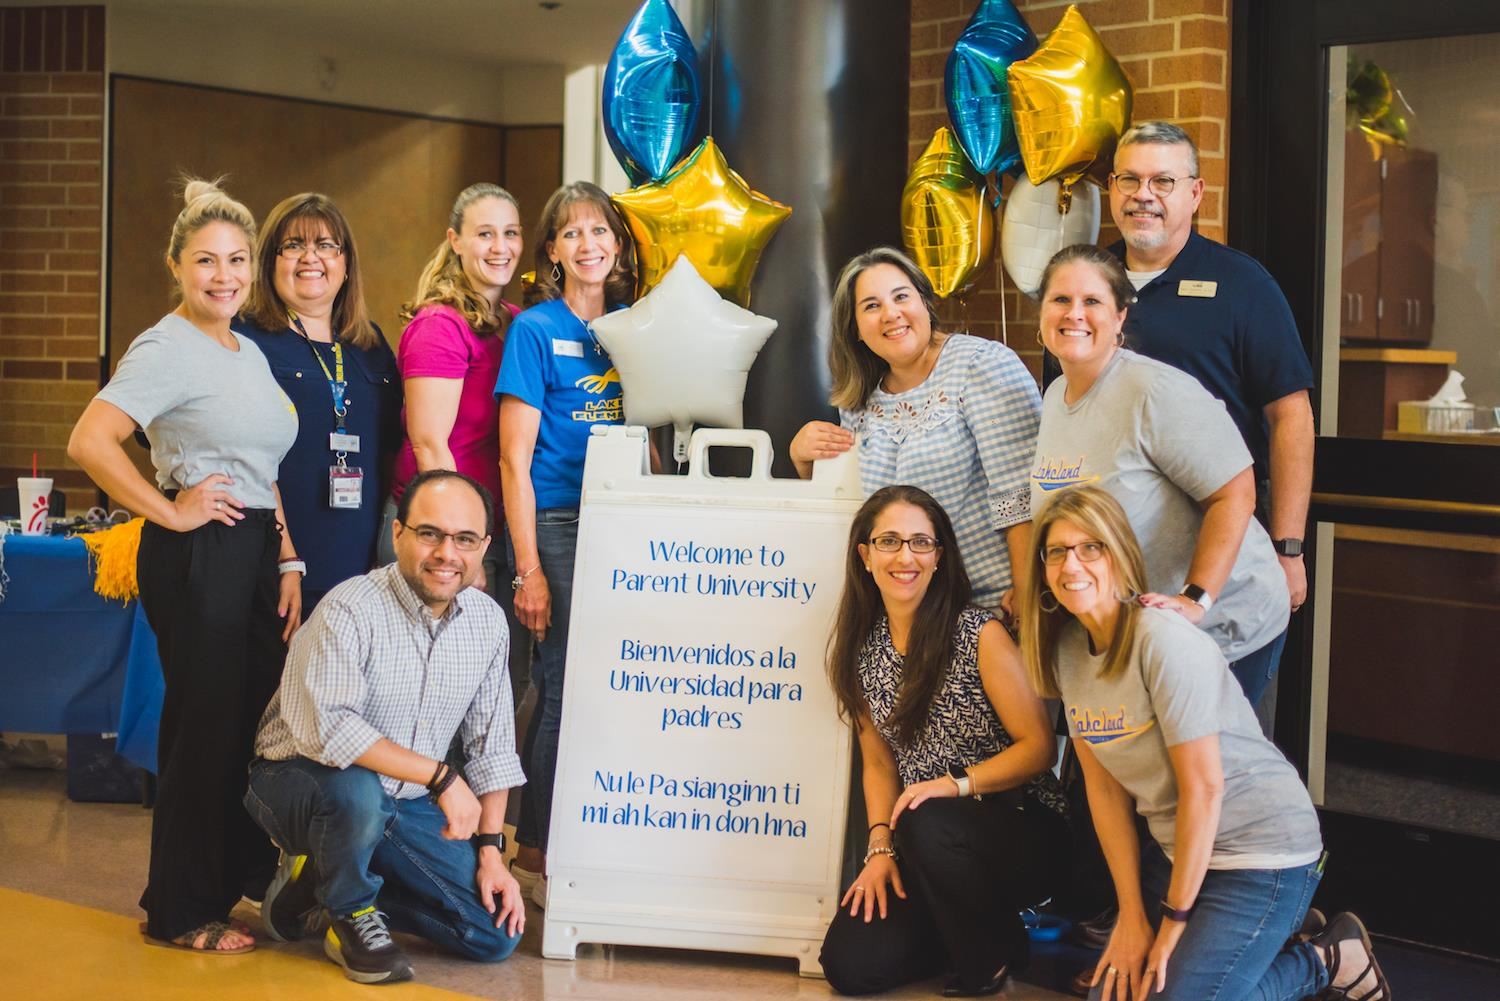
(337, 386)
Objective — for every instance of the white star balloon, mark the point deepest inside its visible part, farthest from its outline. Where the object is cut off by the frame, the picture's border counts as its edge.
(1034, 230)
(683, 354)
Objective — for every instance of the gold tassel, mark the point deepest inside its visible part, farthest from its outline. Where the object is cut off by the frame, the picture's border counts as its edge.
(113, 552)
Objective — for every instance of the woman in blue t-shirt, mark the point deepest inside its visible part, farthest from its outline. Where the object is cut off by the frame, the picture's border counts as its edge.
(307, 314)
(555, 384)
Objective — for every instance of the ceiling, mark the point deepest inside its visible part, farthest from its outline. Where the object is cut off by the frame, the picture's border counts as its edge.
(575, 33)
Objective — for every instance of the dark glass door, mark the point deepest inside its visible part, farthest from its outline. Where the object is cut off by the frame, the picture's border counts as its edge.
(1366, 175)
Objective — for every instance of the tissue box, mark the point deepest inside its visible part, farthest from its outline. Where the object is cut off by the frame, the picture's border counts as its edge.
(1421, 417)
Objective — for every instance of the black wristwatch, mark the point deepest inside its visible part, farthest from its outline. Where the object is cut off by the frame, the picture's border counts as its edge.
(1287, 547)
(495, 841)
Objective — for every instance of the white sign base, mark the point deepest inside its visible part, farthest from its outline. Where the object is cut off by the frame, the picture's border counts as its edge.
(702, 779)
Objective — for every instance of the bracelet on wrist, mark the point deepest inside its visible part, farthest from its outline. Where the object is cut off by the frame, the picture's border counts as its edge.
(437, 773)
(879, 823)
(292, 566)
(1180, 914)
(449, 777)
(520, 578)
(880, 850)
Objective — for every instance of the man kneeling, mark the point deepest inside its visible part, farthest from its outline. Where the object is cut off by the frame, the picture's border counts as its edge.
(349, 778)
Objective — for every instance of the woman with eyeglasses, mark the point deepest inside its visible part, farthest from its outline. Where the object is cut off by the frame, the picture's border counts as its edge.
(1168, 452)
(1215, 904)
(951, 413)
(966, 821)
(449, 356)
(307, 314)
(555, 385)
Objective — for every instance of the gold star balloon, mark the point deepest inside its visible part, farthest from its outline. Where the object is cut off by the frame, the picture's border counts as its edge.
(706, 212)
(945, 220)
(1071, 102)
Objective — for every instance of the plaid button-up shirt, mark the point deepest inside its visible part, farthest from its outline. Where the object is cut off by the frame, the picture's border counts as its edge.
(372, 662)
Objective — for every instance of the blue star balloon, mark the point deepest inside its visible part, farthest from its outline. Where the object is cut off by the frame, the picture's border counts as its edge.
(651, 94)
(974, 84)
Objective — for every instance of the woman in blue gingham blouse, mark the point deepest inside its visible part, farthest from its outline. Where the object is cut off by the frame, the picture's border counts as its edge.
(953, 414)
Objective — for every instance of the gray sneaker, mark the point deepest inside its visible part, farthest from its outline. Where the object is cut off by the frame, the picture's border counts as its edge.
(291, 899)
(362, 944)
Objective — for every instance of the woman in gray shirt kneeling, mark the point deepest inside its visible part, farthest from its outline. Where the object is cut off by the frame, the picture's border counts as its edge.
(1160, 726)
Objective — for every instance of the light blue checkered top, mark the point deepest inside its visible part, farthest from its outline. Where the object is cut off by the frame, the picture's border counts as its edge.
(372, 662)
(967, 436)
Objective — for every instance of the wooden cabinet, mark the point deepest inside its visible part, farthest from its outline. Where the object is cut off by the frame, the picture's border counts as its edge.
(1390, 223)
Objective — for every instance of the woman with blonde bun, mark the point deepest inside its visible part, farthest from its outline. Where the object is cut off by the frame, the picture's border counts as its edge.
(220, 580)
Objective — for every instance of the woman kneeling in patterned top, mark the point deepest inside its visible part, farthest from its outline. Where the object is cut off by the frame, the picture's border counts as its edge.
(966, 821)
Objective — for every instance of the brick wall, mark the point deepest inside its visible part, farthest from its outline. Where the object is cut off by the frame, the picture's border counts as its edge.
(1176, 54)
(51, 224)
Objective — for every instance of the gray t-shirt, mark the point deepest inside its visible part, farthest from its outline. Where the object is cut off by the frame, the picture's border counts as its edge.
(206, 409)
(1178, 688)
(1159, 443)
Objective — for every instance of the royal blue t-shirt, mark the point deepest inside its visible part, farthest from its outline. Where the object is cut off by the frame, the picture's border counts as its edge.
(553, 363)
(336, 543)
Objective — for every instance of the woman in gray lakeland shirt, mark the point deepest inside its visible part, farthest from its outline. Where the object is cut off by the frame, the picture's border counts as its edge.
(219, 579)
(1213, 910)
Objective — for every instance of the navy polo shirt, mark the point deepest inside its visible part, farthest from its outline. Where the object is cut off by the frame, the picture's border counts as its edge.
(337, 544)
(1241, 343)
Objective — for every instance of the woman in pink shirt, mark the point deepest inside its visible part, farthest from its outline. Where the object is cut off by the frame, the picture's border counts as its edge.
(450, 351)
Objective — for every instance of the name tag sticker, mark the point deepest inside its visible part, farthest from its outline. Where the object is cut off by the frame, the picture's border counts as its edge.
(1197, 289)
(568, 349)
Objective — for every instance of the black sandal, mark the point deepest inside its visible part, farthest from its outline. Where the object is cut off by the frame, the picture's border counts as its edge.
(1345, 927)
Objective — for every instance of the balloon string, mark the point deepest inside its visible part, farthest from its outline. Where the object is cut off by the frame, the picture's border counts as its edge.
(1004, 327)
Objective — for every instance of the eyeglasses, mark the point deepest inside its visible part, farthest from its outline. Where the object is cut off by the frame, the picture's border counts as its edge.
(325, 250)
(433, 537)
(1161, 185)
(1087, 552)
(921, 544)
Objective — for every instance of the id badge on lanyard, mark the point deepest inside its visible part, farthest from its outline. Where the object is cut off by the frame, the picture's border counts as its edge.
(345, 485)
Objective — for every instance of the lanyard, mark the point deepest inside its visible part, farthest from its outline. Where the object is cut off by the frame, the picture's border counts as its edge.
(337, 386)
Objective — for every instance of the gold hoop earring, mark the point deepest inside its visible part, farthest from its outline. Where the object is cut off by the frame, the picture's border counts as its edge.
(1120, 338)
(556, 272)
(1042, 601)
(1039, 337)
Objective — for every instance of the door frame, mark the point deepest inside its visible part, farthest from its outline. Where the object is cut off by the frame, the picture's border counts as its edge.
(1412, 882)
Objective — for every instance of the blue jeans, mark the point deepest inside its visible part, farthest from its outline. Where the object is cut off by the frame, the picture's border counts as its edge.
(370, 849)
(1235, 947)
(1255, 670)
(557, 546)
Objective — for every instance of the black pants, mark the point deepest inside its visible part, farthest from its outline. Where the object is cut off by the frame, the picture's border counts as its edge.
(210, 595)
(969, 867)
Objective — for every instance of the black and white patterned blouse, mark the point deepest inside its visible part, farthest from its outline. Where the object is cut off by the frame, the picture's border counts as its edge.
(962, 727)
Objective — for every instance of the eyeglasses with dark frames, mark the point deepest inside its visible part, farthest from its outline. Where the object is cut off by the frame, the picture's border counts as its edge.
(920, 544)
(433, 537)
(1087, 552)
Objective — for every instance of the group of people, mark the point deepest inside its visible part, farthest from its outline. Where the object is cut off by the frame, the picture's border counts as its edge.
(294, 451)
(1109, 523)
(1112, 522)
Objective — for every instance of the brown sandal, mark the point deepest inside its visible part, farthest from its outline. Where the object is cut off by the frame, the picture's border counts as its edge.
(213, 932)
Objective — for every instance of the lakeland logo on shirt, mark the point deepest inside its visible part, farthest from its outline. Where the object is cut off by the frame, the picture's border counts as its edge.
(612, 409)
(1103, 726)
(1054, 474)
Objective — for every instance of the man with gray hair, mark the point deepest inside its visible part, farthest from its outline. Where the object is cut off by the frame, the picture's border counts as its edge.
(1218, 315)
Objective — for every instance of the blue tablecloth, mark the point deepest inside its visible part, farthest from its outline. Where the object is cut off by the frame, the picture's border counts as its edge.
(70, 661)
